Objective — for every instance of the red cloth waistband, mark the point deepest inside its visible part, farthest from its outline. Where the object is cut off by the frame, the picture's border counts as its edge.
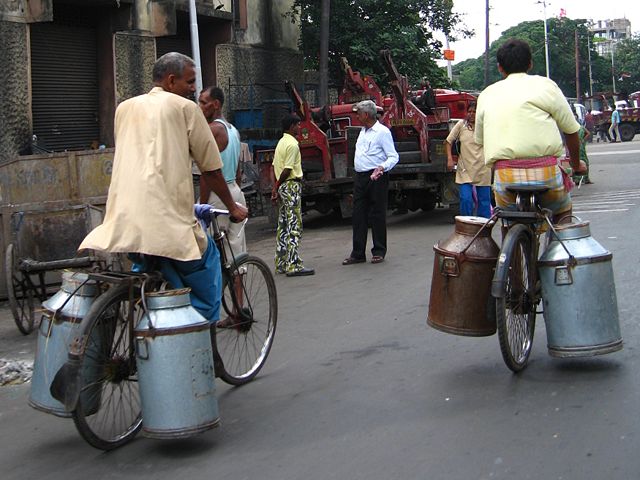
(526, 162)
(537, 163)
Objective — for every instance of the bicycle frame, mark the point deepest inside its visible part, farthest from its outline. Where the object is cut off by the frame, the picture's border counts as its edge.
(229, 266)
(525, 219)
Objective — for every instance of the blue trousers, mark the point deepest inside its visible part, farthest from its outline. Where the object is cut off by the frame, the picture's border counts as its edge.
(203, 277)
(466, 200)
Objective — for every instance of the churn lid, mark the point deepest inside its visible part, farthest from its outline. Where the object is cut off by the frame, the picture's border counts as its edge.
(469, 225)
(170, 309)
(572, 231)
(72, 284)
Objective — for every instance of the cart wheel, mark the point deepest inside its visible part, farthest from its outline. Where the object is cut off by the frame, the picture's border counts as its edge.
(18, 292)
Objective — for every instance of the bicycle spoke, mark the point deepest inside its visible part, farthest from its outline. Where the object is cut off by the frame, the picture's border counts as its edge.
(244, 347)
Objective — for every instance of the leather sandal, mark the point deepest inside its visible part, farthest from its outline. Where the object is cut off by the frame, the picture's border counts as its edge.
(377, 259)
(352, 260)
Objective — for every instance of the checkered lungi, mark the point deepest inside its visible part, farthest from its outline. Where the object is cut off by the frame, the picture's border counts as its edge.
(543, 171)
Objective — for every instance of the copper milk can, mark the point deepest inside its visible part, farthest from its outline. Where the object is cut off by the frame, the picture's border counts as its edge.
(460, 301)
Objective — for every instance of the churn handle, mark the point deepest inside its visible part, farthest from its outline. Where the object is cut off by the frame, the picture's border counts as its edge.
(493, 217)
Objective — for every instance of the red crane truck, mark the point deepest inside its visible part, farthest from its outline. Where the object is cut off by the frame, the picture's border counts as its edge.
(420, 180)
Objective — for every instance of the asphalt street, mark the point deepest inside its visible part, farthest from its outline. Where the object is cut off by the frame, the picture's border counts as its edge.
(358, 386)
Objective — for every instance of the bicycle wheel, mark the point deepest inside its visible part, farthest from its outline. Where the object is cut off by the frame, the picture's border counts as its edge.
(109, 413)
(516, 309)
(242, 348)
(19, 294)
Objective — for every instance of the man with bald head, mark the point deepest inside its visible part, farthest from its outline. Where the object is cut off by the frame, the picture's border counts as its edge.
(149, 209)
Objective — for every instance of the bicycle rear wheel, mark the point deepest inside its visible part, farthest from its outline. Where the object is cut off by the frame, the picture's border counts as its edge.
(109, 413)
(242, 348)
(516, 309)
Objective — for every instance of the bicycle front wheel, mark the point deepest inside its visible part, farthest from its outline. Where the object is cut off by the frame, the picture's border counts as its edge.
(109, 413)
(242, 347)
(516, 309)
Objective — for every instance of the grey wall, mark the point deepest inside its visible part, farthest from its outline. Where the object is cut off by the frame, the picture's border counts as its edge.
(244, 65)
(134, 59)
(267, 27)
(15, 105)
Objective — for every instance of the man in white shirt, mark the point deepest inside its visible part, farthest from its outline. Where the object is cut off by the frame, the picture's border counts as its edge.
(375, 155)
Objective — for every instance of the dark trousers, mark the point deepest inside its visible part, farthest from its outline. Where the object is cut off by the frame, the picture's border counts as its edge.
(370, 200)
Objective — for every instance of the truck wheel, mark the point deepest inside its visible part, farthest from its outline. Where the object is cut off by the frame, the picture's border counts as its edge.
(627, 132)
(428, 202)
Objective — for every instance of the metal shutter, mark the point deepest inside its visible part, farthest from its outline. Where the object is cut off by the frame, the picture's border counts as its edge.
(64, 78)
(175, 43)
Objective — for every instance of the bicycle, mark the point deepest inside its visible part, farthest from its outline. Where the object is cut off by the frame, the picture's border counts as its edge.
(99, 382)
(515, 285)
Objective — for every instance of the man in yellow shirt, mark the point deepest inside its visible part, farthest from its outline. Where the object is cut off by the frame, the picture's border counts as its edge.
(518, 122)
(287, 190)
(150, 209)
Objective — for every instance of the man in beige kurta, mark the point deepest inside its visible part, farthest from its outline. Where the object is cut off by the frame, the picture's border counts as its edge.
(150, 204)
(472, 172)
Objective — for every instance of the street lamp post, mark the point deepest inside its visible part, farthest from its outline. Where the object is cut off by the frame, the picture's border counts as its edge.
(613, 67)
(195, 45)
(590, 73)
(546, 35)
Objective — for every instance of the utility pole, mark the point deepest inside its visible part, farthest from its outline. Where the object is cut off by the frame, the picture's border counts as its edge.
(577, 68)
(590, 72)
(449, 69)
(323, 91)
(613, 68)
(195, 45)
(486, 47)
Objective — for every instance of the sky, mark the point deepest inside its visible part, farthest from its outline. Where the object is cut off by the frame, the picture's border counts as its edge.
(509, 13)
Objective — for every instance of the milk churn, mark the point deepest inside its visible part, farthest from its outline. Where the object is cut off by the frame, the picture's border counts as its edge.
(175, 367)
(460, 301)
(62, 315)
(579, 294)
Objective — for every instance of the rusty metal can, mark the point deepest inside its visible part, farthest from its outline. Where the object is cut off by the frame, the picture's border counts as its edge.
(460, 302)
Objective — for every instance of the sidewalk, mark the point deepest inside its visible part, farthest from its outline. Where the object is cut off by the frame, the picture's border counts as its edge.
(17, 351)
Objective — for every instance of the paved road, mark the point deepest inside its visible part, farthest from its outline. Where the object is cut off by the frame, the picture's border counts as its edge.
(358, 387)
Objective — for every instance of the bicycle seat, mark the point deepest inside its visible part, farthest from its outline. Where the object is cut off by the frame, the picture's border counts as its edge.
(527, 189)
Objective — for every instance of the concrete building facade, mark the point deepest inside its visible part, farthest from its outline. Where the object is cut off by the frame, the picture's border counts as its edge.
(608, 32)
(68, 63)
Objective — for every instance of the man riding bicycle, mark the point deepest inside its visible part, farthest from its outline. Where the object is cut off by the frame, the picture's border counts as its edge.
(150, 204)
(519, 121)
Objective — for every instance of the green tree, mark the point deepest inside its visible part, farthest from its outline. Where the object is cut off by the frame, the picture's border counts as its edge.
(562, 58)
(360, 29)
(627, 62)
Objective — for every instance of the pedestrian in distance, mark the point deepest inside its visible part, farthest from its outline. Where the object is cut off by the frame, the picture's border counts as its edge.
(583, 178)
(287, 193)
(518, 123)
(227, 138)
(589, 124)
(157, 134)
(614, 131)
(375, 155)
(471, 171)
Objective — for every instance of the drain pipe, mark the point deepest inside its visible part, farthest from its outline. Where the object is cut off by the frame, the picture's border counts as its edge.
(195, 45)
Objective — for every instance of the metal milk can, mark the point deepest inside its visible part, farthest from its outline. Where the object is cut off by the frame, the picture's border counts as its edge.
(460, 300)
(60, 320)
(175, 367)
(579, 294)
